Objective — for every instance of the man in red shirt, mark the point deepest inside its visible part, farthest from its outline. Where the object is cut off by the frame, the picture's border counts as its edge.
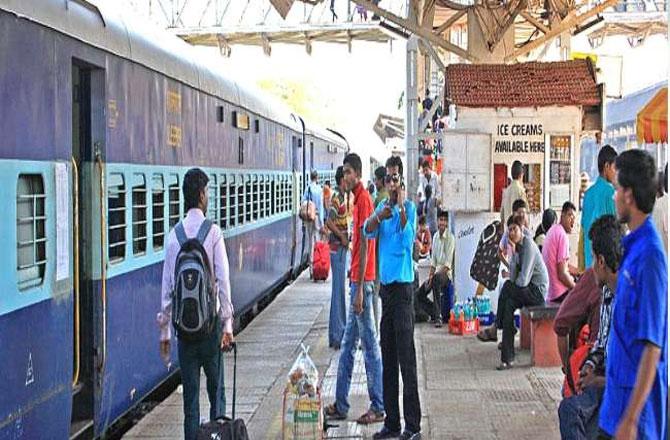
(360, 319)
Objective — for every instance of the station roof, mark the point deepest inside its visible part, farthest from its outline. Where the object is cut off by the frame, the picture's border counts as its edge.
(533, 84)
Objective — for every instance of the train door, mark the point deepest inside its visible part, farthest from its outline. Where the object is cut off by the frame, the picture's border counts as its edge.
(296, 223)
(87, 132)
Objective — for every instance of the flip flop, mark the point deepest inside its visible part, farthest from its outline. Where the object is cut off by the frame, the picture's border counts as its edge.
(484, 335)
(370, 417)
(332, 413)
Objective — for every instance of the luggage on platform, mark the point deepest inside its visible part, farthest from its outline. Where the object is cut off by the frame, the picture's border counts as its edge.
(225, 428)
(321, 261)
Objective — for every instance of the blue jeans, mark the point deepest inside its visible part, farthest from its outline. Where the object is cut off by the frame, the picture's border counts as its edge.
(338, 302)
(578, 414)
(360, 327)
(192, 356)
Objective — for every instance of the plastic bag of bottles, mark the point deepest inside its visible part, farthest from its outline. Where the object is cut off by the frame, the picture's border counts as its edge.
(302, 417)
(303, 377)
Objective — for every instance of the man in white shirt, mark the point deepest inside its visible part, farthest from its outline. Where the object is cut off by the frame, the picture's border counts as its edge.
(514, 191)
(660, 212)
(206, 349)
(441, 263)
(428, 177)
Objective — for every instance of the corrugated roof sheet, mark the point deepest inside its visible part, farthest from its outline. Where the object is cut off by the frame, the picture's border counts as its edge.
(531, 84)
(625, 110)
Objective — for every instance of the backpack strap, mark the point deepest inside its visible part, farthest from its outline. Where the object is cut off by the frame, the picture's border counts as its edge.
(204, 231)
(180, 233)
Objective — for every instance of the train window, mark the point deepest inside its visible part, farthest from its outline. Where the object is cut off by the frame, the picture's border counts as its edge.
(273, 195)
(213, 204)
(280, 195)
(232, 219)
(223, 202)
(285, 194)
(139, 214)
(30, 230)
(240, 201)
(247, 197)
(257, 126)
(158, 211)
(267, 196)
(255, 197)
(240, 151)
(173, 199)
(240, 120)
(219, 113)
(116, 218)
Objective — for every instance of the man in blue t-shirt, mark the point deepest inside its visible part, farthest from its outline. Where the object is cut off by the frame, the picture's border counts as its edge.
(635, 400)
(599, 198)
(393, 224)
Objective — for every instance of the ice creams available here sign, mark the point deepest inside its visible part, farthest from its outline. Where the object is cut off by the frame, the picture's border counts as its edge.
(515, 138)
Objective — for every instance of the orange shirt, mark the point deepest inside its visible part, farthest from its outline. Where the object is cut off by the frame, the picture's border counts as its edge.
(363, 209)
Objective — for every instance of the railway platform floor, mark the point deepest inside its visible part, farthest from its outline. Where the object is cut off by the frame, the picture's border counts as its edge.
(462, 395)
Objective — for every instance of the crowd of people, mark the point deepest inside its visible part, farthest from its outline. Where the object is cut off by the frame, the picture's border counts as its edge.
(611, 321)
(371, 232)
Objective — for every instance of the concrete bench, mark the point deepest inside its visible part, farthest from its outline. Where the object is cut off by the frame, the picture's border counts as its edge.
(537, 334)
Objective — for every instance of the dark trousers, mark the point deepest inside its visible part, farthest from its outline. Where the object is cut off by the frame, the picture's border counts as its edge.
(192, 356)
(440, 281)
(513, 297)
(423, 306)
(578, 414)
(397, 343)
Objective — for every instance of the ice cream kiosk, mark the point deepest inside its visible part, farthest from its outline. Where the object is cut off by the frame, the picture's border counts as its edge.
(531, 112)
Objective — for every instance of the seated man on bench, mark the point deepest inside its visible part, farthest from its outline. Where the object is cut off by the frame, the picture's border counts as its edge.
(527, 286)
(440, 276)
(580, 306)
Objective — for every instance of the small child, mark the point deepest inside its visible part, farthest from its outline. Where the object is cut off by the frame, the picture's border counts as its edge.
(423, 239)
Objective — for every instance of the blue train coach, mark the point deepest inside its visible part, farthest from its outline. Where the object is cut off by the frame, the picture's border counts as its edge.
(99, 120)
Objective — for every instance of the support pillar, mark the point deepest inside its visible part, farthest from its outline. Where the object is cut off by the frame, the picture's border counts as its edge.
(412, 116)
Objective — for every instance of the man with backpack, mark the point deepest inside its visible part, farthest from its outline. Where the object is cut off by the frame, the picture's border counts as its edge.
(196, 301)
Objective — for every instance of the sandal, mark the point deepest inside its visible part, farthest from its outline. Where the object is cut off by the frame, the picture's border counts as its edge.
(370, 417)
(332, 413)
(486, 335)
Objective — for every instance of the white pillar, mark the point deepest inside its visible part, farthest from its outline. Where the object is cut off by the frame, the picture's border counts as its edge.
(412, 116)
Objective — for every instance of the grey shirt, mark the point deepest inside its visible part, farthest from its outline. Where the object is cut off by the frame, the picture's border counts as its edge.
(527, 266)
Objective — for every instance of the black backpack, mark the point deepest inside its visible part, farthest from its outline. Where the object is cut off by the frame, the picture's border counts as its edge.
(194, 295)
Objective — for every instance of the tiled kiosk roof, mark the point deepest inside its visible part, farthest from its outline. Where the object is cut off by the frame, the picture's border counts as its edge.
(533, 84)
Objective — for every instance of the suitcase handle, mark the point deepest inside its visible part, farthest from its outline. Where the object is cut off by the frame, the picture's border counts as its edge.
(221, 381)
